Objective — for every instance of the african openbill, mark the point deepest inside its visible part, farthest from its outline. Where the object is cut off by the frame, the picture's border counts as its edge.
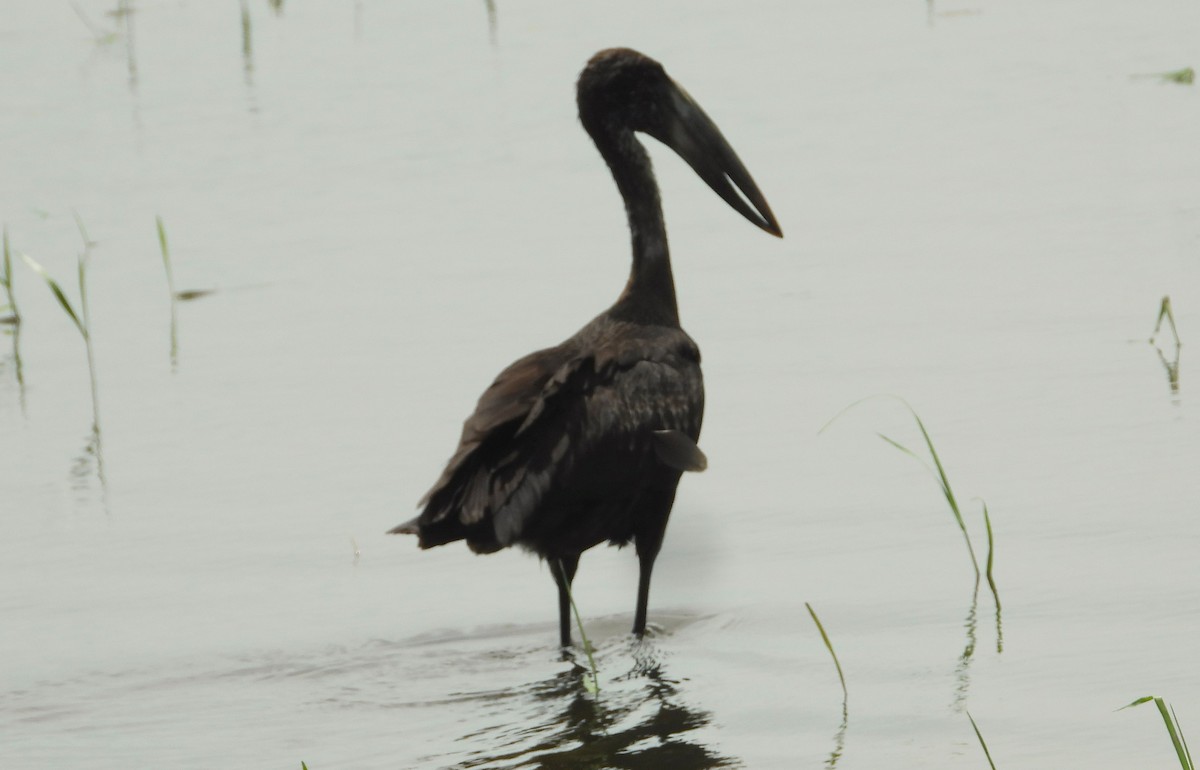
(586, 441)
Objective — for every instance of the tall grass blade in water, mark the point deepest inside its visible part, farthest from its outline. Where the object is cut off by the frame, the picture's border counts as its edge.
(982, 742)
(839, 738)
(1172, 723)
(81, 320)
(938, 471)
(57, 291)
(86, 328)
(1164, 311)
(590, 682)
(166, 257)
(829, 646)
(987, 522)
(943, 481)
(13, 315)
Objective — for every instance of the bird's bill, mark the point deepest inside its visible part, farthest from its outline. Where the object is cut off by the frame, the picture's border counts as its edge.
(692, 134)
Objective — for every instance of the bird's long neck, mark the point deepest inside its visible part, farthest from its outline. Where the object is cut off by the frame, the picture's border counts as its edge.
(649, 296)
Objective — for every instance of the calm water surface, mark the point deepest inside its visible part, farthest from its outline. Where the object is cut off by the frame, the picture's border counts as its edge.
(983, 209)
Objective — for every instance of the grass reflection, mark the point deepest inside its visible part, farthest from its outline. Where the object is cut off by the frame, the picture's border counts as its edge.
(10, 318)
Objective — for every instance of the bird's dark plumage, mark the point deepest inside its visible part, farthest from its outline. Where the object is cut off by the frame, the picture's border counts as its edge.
(586, 441)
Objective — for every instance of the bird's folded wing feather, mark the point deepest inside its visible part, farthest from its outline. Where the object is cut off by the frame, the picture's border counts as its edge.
(519, 391)
(530, 425)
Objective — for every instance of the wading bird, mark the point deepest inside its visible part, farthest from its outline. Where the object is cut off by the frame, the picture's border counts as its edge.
(586, 441)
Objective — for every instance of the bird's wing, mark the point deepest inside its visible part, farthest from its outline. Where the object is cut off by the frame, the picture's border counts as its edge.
(507, 403)
(549, 411)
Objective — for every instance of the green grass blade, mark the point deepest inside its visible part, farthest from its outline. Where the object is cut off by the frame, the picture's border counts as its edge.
(838, 416)
(1186, 76)
(7, 277)
(1184, 760)
(991, 555)
(1187, 752)
(982, 742)
(88, 243)
(946, 490)
(58, 292)
(1138, 702)
(166, 254)
(7, 280)
(829, 646)
(908, 452)
(938, 471)
(1177, 740)
(592, 685)
(83, 303)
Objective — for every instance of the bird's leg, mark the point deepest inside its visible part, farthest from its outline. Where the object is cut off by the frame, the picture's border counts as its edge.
(653, 510)
(563, 569)
(646, 559)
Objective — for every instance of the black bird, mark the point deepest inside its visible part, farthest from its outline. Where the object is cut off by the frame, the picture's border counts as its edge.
(585, 441)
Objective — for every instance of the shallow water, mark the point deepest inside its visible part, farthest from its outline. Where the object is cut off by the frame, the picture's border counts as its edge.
(983, 208)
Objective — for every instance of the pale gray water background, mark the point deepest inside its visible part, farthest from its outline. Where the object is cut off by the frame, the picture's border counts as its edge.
(982, 208)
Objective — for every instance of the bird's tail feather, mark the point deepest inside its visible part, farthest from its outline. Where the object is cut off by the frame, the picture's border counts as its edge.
(410, 527)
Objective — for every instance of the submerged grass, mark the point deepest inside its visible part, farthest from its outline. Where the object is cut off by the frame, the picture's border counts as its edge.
(591, 682)
(1173, 729)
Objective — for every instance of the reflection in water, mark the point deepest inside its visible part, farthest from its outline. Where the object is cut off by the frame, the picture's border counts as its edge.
(839, 738)
(1172, 368)
(14, 321)
(11, 318)
(247, 46)
(491, 13)
(124, 13)
(962, 672)
(991, 579)
(174, 337)
(90, 459)
(639, 721)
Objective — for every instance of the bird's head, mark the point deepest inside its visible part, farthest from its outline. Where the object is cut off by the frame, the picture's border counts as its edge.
(621, 90)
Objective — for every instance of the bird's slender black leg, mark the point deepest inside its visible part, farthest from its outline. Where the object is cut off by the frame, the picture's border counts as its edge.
(563, 570)
(654, 508)
(645, 567)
